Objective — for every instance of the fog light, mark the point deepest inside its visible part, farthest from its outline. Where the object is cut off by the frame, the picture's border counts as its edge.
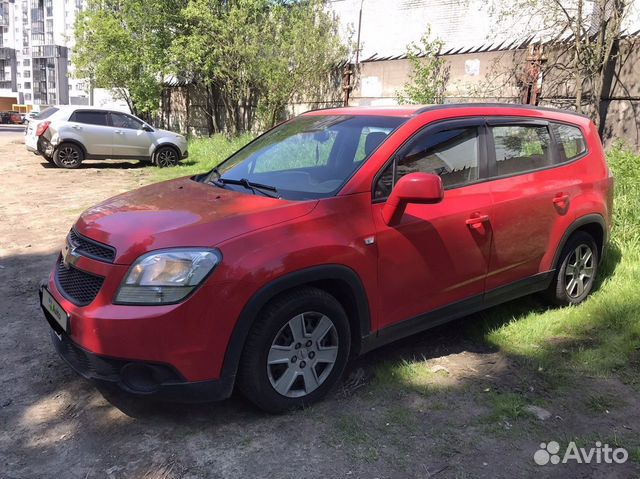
(141, 378)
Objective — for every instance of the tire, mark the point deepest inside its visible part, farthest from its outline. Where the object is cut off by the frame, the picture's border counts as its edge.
(166, 156)
(68, 155)
(576, 272)
(301, 372)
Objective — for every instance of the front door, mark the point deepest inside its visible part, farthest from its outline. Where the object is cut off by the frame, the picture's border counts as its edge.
(129, 138)
(437, 254)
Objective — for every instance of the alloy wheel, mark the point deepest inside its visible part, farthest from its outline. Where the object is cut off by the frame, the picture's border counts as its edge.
(68, 156)
(302, 354)
(167, 157)
(579, 273)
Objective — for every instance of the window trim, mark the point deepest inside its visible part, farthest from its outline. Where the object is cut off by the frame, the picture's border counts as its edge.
(449, 123)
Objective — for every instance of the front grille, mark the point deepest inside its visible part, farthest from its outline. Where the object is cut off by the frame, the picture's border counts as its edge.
(91, 248)
(77, 286)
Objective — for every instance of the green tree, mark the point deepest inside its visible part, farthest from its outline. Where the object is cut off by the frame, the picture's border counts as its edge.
(297, 63)
(581, 40)
(429, 72)
(258, 55)
(123, 45)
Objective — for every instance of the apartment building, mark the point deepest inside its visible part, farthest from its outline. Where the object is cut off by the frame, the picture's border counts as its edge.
(35, 46)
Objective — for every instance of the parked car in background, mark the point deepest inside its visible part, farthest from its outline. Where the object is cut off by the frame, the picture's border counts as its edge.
(332, 234)
(11, 118)
(66, 136)
(30, 116)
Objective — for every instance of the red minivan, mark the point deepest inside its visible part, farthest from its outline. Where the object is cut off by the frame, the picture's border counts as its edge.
(329, 235)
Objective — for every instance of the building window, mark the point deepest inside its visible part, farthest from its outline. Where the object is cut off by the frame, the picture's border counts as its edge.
(27, 73)
(27, 85)
(27, 97)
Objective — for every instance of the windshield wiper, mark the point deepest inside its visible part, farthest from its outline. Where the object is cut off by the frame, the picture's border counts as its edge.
(266, 190)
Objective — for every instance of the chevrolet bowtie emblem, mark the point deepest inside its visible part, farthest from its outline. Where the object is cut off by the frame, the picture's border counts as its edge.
(69, 255)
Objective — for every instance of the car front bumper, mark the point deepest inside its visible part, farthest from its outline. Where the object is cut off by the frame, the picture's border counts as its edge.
(141, 378)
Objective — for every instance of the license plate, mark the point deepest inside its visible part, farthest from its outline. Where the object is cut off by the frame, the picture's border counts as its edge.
(51, 305)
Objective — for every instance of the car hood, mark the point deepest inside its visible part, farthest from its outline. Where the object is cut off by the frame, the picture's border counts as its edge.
(181, 213)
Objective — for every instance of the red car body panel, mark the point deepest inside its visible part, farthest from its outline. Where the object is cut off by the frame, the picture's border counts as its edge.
(430, 259)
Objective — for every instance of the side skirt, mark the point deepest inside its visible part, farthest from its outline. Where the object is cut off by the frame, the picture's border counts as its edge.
(517, 289)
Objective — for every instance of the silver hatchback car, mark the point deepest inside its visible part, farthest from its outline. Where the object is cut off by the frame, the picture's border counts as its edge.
(66, 136)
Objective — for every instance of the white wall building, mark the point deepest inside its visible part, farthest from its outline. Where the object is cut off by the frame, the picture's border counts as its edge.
(36, 40)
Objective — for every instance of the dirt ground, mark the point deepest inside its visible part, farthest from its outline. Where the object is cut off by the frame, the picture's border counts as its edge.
(55, 424)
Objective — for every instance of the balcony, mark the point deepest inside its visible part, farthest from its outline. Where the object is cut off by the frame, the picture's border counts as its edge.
(7, 53)
(49, 51)
(5, 85)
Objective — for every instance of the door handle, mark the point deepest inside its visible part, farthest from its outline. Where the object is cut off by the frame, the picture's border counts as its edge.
(560, 198)
(76, 127)
(119, 132)
(477, 220)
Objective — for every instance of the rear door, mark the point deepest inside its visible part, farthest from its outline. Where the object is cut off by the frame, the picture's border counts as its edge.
(129, 138)
(530, 199)
(92, 127)
(437, 254)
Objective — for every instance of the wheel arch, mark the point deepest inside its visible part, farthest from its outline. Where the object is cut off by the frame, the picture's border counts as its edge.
(75, 142)
(162, 145)
(340, 281)
(593, 224)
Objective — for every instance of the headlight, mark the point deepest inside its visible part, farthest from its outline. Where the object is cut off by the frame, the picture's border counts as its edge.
(166, 276)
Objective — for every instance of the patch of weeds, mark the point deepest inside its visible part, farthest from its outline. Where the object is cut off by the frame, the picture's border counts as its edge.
(505, 407)
(602, 403)
(634, 454)
(352, 434)
(402, 417)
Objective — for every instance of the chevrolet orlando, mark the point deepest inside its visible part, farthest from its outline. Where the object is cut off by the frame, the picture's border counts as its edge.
(329, 235)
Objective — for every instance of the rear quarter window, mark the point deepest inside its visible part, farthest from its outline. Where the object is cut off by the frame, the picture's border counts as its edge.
(571, 142)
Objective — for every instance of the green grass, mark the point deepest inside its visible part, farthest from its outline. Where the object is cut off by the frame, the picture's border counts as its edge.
(506, 406)
(204, 154)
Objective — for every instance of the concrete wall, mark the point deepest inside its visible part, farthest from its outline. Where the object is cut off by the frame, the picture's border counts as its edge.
(492, 76)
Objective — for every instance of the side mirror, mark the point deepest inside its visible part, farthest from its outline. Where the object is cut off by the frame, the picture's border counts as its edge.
(147, 128)
(420, 188)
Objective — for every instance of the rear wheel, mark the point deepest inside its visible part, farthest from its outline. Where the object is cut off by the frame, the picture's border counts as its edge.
(68, 155)
(296, 352)
(577, 270)
(166, 156)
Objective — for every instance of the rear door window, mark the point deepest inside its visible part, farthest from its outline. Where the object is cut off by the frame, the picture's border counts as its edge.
(90, 117)
(521, 148)
(571, 142)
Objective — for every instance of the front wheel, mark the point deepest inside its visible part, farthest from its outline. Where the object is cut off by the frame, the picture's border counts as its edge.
(296, 351)
(166, 156)
(577, 270)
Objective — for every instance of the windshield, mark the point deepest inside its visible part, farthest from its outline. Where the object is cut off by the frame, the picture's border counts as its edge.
(308, 157)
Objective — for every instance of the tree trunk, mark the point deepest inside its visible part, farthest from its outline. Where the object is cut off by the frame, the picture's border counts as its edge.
(577, 65)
